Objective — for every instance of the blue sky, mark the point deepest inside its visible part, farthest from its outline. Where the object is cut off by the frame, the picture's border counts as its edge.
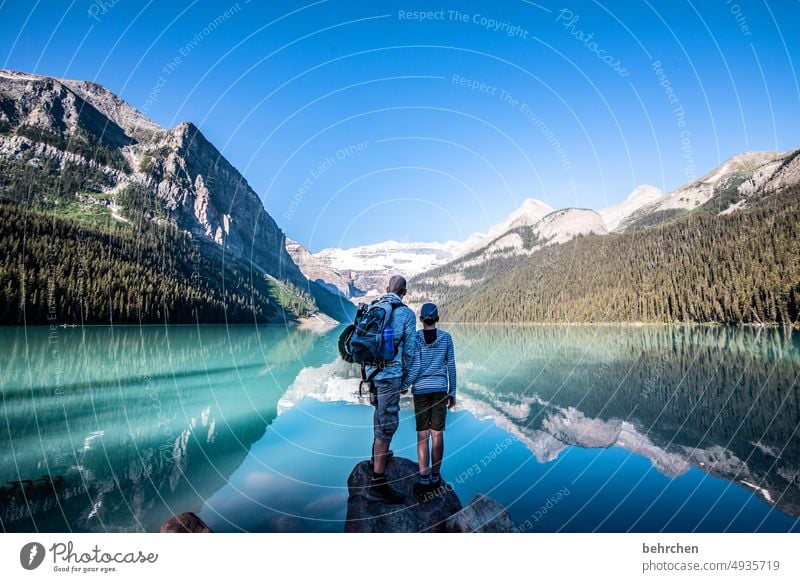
(362, 121)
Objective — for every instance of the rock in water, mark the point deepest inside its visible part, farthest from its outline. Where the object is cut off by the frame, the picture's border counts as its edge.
(482, 515)
(186, 522)
(365, 516)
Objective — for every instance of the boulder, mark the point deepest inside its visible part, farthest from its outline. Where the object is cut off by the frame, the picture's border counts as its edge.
(482, 515)
(186, 522)
(365, 516)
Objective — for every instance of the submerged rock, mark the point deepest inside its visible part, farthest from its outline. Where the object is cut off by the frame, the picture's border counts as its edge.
(482, 515)
(443, 513)
(186, 522)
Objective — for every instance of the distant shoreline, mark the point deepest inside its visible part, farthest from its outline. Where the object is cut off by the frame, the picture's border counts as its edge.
(310, 323)
(629, 324)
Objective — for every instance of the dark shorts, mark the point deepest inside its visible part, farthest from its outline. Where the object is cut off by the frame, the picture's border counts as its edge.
(430, 410)
(387, 409)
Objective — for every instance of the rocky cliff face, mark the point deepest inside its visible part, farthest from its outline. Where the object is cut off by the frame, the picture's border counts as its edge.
(206, 195)
(47, 104)
(129, 119)
(129, 164)
(317, 270)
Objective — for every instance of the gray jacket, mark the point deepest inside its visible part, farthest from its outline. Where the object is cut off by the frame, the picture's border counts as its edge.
(404, 323)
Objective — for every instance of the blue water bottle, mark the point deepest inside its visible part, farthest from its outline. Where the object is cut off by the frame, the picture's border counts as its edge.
(388, 343)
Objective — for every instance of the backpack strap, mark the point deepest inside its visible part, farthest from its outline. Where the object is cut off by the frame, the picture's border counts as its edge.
(365, 379)
(393, 304)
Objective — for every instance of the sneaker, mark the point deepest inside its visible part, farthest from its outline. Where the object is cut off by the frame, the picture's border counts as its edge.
(379, 490)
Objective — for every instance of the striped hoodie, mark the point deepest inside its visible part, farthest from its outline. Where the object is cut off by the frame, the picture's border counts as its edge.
(433, 367)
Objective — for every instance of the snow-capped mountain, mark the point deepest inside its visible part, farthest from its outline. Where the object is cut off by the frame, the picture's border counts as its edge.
(363, 270)
(535, 225)
(315, 269)
(641, 196)
(529, 213)
(562, 225)
(525, 232)
(360, 272)
(526, 237)
(409, 257)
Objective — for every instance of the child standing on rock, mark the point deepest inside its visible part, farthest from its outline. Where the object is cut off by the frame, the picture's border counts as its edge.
(433, 376)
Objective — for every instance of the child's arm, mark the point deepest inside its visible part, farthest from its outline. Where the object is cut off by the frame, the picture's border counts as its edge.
(451, 368)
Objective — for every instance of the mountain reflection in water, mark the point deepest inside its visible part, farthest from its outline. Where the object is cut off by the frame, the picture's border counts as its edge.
(114, 429)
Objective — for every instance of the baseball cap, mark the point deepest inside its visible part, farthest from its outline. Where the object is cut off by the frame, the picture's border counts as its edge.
(429, 311)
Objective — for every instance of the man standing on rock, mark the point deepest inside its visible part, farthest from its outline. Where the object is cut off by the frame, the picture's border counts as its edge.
(388, 384)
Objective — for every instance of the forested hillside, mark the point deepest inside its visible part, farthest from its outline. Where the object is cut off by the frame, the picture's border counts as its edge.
(739, 267)
(107, 217)
(68, 272)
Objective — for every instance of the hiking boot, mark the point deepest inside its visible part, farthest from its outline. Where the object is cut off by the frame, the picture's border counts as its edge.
(379, 490)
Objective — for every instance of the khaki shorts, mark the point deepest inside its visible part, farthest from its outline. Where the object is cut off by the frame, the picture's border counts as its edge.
(430, 410)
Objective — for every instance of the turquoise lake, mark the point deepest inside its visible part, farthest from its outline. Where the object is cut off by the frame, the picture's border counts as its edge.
(573, 428)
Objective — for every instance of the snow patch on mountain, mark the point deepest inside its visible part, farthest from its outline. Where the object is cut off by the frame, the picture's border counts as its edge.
(529, 213)
(641, 196)
(563, 225)
(409, 258)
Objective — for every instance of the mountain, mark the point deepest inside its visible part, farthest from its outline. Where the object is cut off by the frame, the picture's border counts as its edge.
(363, 270)
(526, 231)
(529, 213)
(729, 184)
(734, 257)
(129, 119)
(317, 270)
(367, 268)
(641, 196)
(75, 152)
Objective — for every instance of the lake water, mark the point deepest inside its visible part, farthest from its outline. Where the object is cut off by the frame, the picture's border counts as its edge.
(257, 428)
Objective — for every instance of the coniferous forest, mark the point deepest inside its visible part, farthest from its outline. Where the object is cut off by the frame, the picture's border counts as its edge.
(742, 267)
(70, 272)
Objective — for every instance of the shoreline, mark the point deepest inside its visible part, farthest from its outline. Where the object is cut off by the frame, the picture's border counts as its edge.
(328, 323)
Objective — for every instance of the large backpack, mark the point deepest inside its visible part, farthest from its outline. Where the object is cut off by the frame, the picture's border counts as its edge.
(362, 341)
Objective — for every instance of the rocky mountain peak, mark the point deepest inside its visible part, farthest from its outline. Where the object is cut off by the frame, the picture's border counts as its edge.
(644, 192)
(529, 212)
(45, 104)
(642, 195)
(119, 111)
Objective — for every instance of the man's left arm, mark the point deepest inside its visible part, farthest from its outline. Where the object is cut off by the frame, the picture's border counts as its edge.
(409, 340)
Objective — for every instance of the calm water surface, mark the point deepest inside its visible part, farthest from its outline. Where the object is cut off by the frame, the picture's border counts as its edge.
(256, 428)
